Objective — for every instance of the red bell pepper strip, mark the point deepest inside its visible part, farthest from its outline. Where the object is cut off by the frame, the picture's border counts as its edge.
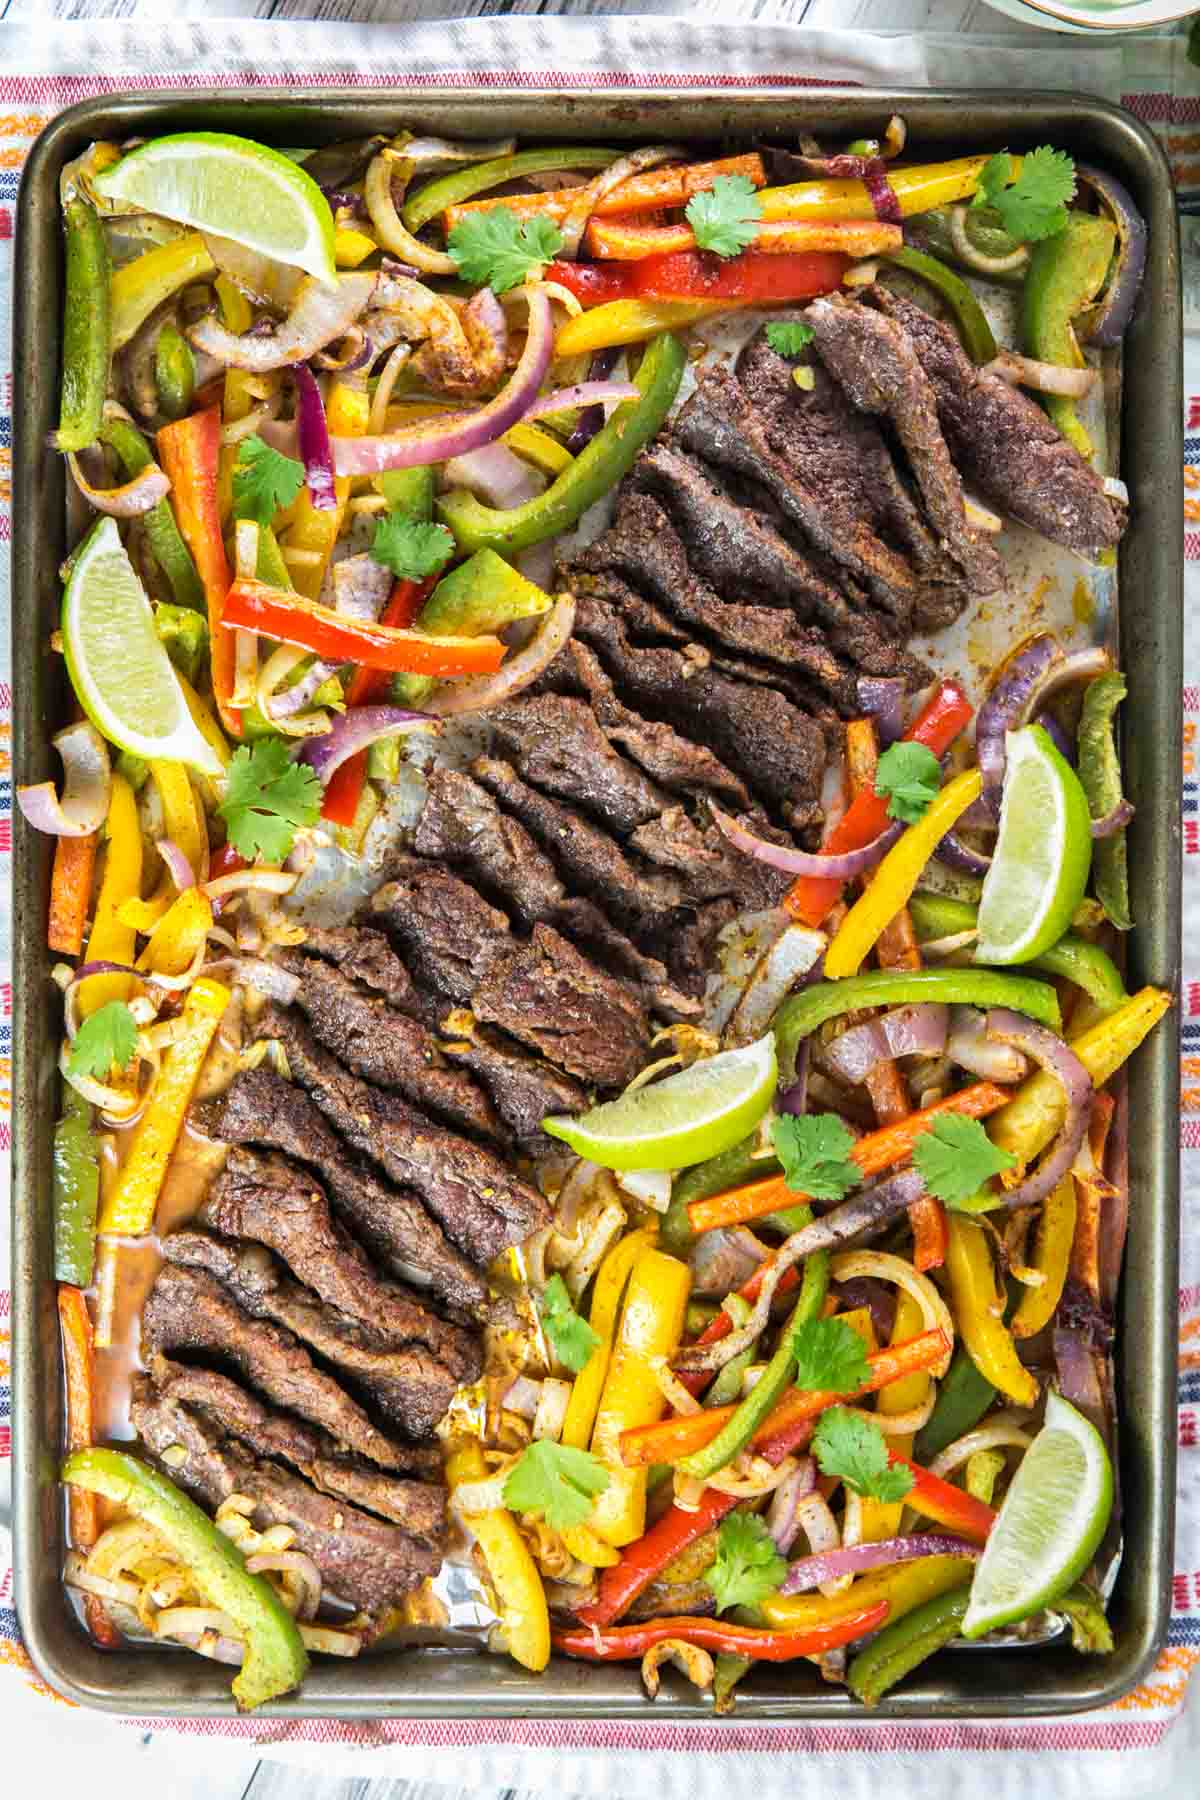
(366, 686)
(289, 617)
(595, 284)
(624, 1641)
(188, 451)
(643, 1561)
(936, 726)
(752, 276)
(947, 1504)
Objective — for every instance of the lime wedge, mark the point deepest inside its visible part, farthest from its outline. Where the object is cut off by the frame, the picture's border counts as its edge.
(119, 669)
(1043, 853)
(231, 186)
(1052, 1519)
(683, 1119)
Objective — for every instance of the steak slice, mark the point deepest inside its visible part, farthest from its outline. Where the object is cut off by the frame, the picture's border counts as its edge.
(876, 363)
(524, 1089)
(462, 824)
(385, 1046)
(552, 998)
(558, 746)
(405, 1384)
(279, 1204)
(367, 1562)
(188, 1310)
(483, 1204)
(367, 956)
(448, 932)
(1006, 447)
(594, 933)
(259, 1107)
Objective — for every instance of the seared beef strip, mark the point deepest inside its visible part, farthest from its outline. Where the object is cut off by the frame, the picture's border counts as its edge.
(280, 1204)
(259, 1107)
(188, 1310)
(524, 1089)
(552, 998)
(594, 933)
(1008, 450)
(557, 746)
(367, 956)
(447, 930)
(876, 363)
(386, 1046)
(462, 824)
(483, 1204)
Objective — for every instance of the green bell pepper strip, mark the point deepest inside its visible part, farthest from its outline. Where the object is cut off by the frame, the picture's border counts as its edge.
(984, 230)
(1091, 1633)
(162, 533)
(1071, 959)
(983, 1471)
(901, 1647)
(87, 328)
(76, 1191)
(174, 373)
(183, 633)
(800, 1016)
(963, 1398)
(769, 1388)
(1066, 272)
(728, 1670)
(594, 472)
(135, 769)
(275, 1658)
(1100, 773)
(270, 566)
(409, 491)
(729, 1170)
(464, 184)
(728, 1384)
(483, 594)
(969, 317)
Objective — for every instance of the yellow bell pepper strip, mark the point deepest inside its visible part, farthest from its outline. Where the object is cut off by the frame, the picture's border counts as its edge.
(586, 1547)
(153, 277)
(917, 189)
(1065, 274)
(275, 1658)
(188, 450)
(514, 1574)
(904, 1586)
(1035, 1114)
(975, 1302)
(897, 875)
(1051, 1258)
(627, 240)
(350, 247)
(71, 892)
(179, 934)
(112, 940)
(539, 448)
(184, 824)
(904, 1644)
(607, 1294)
(631, 322)
(651, 1325)
(880, 1519)
(314, 529)
(984, 1468)
(128, 1209)
(86, 328)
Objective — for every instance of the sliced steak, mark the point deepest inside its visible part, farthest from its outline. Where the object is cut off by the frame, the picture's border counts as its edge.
(524, 1089)
(877, 364)
(594, 933)
(1008, 450)
(188, 1310)
(484, 1206)
(558, 746)
(279, 1204)
(552, 998)
(259, 1107)
(386, 1046)
(367, 956)
(462, 824)
(447, 930)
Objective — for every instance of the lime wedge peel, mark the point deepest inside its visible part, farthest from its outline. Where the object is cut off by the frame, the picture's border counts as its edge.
(1052, 1519)
(233, 187)
(121, 673)
(1043, 854)
(683, 1119)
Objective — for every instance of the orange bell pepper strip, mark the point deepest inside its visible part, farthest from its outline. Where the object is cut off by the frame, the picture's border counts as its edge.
(71, 892)
(1092, 1190)
(83, 1508)
(289, 617)
(368, 685)
(671, 186)
(874, 1152)
(670, 1439)
(942, 1501)
(931, 1233)
(189, 451)
(626, 240)
(752, 1641)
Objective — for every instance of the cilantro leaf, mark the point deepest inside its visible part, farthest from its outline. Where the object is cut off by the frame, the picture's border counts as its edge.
(411, 548)
(725, 216)
(556, 1481)
(106, 1040)
(263, 481)
(815, 1153)
(748, 1567)
(956, 1156)
(853, 1448)
(571, 1337)
(908, 777)
(266, 796)
(496, 249)
(789, 336)
(994, 177)
(1034, 206)
(831, 1358)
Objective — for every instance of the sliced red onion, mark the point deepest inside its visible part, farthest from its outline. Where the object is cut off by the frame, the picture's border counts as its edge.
(454, 434)
(178, 866)
(1058, 737)
(485, 326)
(872, 171)
(1106, 323)
(722, 1260)
(1045, 377)
(592, 418)
(356, 730)
(880, 1302)
(494, 475)
(1026, 683)
(584, 393)
(956, 855)
(807, 862)
(128, 501)
(794, 1099)
(882, 696)
(812, 1571)
(347, 200)
(783, 1516)
(320, 316)
(918, 1030)
(1079, 1375)
(1113, 821)
(969, 1046)
(356, 351)
(454, 698)
(87, 784)
(1059, 1060)
(315, 451)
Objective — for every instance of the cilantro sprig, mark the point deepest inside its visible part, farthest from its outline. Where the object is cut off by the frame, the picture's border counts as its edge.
(267, 796)
(788, 337)
(747, 1566)
(557, 1481)
(105, 1041)
(724, 218)
(1034, 206)
(815, 1153)
(572, 1338)
(831, 1358)
(496, 249)
(956, 1156)
(411, 548)
(264, 481)
(908, 777)
(852, 1448)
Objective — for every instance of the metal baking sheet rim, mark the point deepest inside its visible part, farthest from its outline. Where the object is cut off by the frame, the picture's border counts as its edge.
(447, 1683)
